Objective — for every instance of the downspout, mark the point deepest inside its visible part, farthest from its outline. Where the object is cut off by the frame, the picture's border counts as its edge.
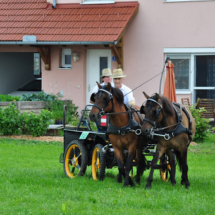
(54, 4)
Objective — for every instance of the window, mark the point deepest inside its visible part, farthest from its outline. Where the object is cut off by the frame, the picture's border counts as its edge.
(103, 64)
(182, 71)
(37, 64)
(185, 0)
(66, 58)
(98, 1)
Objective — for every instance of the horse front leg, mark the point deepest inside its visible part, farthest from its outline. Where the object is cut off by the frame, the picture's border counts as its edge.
(120, 162)
(129, 162)
(159, 152)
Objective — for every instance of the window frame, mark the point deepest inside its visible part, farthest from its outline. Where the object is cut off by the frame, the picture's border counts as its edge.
(63, 54)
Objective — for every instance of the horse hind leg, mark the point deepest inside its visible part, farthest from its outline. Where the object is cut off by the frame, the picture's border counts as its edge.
(141, 165)
(184, 177)
(172, 163)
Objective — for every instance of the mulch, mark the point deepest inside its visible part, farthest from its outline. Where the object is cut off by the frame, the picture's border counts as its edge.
(41, 138)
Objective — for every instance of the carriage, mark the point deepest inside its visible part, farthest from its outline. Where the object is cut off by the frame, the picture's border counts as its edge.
(84, 147)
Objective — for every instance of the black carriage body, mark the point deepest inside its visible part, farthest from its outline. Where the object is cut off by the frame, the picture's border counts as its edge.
(92, 138)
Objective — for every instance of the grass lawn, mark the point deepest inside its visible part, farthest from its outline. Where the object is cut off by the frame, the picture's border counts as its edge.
(32, 181)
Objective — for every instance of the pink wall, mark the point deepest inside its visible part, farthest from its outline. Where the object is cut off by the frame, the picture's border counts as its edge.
(161, 25)
(157, 25)
(66, 80)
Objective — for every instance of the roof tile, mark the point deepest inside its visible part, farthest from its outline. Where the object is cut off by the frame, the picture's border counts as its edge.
(72, 23)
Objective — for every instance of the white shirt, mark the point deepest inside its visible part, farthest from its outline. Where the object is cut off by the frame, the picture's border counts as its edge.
(129, 97)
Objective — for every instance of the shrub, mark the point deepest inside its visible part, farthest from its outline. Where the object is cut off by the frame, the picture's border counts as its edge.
(202, 124)
(36, 125)
(10, 120)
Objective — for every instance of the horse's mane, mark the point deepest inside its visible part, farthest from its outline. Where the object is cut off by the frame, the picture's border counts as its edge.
(167, 106)
(166, 103)
(117, 93)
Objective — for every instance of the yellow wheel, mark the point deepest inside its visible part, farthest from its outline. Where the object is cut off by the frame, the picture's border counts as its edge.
(75, 159)
(165, 169)
(98, 163)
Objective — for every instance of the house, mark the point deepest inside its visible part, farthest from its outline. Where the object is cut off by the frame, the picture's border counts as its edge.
(76, 39)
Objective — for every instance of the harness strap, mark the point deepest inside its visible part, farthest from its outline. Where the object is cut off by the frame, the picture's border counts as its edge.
(180, 128)
(132, 126)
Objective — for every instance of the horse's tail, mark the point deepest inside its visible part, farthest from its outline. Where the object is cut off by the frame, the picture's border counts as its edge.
(178, 157)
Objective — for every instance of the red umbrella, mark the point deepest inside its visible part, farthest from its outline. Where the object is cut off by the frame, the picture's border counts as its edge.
(169, 87)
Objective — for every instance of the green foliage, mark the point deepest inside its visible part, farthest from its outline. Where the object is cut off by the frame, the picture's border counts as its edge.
(13, 122)
(9, 98)
(10, 120)
(202, 124)
(40, 97)
(56, 107)
(36, 125)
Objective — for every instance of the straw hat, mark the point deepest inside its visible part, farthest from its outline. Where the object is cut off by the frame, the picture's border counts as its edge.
(106, 72)
(118, 73)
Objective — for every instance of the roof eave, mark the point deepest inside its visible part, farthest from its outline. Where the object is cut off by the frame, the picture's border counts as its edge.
(58, 43)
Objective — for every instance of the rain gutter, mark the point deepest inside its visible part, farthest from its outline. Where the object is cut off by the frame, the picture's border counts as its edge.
(58, 43)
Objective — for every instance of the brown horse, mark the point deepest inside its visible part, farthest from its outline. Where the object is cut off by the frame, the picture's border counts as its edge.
(174, 127)
(123, 130)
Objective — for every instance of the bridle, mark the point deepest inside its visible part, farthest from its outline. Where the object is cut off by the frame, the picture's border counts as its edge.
(158, 110)
(110, 98)
(153, 129)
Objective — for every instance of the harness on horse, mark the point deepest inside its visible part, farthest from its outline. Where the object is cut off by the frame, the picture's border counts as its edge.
(179, 129)
(132, 126)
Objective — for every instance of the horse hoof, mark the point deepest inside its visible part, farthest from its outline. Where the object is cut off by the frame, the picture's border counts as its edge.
(148, 187)
(173, 183)
(137, 180)
(119, 179)
(132, 184)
